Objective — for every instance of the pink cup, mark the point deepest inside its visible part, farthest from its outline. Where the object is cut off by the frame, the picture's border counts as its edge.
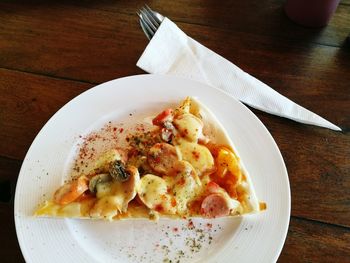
(312, 13)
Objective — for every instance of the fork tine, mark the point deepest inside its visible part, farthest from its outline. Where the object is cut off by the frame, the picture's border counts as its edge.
(139, 15)
(149, 34)
(153, 15)
(145, 26)
(147, 20)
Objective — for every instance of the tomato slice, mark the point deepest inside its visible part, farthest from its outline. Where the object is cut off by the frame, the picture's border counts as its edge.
(162, 117)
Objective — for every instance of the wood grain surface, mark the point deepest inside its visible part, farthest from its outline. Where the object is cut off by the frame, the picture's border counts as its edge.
(51, 51)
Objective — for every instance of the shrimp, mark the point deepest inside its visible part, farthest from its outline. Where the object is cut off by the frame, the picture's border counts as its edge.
(71, 191)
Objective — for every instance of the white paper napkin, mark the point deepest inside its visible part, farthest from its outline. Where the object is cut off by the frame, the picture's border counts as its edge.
(172, 52)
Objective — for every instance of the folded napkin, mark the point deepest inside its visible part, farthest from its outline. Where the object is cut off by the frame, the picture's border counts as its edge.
(171, 51)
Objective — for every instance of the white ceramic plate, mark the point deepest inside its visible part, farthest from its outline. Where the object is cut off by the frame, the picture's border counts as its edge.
(253, 238)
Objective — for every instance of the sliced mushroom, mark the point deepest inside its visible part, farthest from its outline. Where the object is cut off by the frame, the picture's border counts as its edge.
(97, 179)
(118, 172)
(114, 196)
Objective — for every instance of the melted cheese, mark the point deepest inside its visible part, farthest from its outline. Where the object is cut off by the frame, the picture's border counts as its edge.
(72, 209)
(189, 127)
(171, 193)
(114, 196)
(153, 192)
(197, 155)
(107, 207)
(185, 186)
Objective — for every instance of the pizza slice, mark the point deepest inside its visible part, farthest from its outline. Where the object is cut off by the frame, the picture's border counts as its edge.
(184, 166)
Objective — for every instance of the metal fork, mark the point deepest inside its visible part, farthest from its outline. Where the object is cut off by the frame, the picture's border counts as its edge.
(149, 20)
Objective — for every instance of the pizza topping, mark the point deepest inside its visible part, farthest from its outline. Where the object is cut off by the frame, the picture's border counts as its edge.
(114, 196)
(97, 179)
(186, 186)
(184, 107)
(153, 192)
(71, 191)
(141, 142)
(213, 188)
(166, 115)
(117, 171)
(227, 162)
(189, 127)
(198, 155)
(103, 163)
(228, 173)
(166, 134)
(215, 205)
(162, 158)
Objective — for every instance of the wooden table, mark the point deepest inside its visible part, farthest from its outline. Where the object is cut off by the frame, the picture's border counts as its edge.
(52, 51)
